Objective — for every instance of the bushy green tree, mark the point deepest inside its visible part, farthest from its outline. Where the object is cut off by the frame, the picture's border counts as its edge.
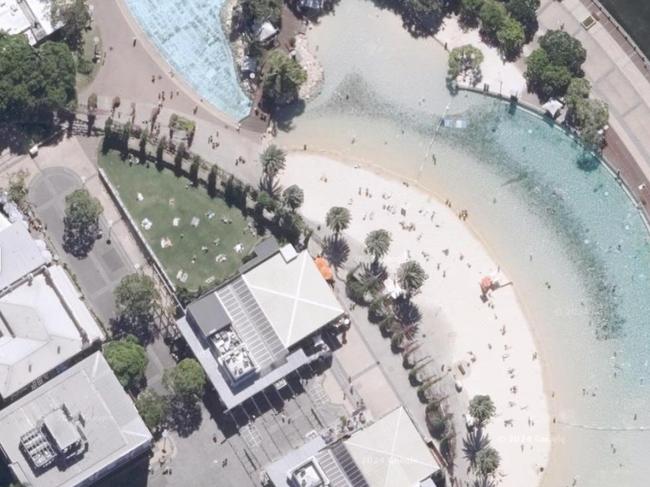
(465, 60)
(186, 381)
(282, 79)
(35, 82)
(525, 11)
(136, 300)
(493, 15)
(153, 408)
(589, 117)
(470, 10)
(194, 169)
(81, 222)
(421, 17)
(511, 38)
(128, 359)
(544, 78)
(564, 50)
(75, 18)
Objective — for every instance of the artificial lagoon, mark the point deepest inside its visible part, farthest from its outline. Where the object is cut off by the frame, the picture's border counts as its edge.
(189, 35)
(555, 218)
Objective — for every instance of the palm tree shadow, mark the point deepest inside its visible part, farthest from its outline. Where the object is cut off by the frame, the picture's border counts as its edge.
(337, 250)
(406, 311)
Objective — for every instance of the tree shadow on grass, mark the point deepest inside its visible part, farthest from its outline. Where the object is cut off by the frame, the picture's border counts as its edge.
(337, 250)
(588, 162)
(185, 417)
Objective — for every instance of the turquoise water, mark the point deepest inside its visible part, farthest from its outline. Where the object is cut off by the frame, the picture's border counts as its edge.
(189, 35)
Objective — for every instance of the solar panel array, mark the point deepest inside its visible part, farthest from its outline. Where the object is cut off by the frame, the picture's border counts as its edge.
(251, 324)
(348, 465)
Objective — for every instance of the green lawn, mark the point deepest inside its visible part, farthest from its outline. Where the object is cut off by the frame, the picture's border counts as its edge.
(166, 197)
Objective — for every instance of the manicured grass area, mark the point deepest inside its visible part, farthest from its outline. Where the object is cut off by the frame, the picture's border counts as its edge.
(166, 197)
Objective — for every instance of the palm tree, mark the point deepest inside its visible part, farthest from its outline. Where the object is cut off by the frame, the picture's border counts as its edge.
(338, 219)
(377, 244)
(482, 409)
(475, 442)
(487, 461)
(293, 197)
(273, 161)
(411, 277)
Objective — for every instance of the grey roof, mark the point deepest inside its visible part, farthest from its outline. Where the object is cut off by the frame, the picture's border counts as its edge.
(95, 400)
(251, 324)
(208, 314)
(19, 254)
(229, 396)
(262, 251)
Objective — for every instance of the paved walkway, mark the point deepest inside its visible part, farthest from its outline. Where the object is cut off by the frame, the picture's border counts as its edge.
(619, 77)
(127, 73)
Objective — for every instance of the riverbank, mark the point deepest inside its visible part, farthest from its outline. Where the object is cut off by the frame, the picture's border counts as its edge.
(491, 340)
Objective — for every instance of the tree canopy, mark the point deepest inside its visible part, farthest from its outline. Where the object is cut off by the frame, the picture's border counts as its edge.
(153, 408)
(81, 222)
(293, 197)
(75, 17)
(282, 79)
(466, 61)
(128, 359)
(470, 10)
(35, 82)
(338, 219)
(411, 277)
(525, 11)
(564, 50)
(487, 461)
(493, 15)
(511, 38)
(482, 408)
(273, 161)
(186, 381)
(378, 243)
(550, 68)
(136, 298)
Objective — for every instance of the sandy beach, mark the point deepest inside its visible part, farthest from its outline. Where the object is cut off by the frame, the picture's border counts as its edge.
(497, 333)
(502, 77)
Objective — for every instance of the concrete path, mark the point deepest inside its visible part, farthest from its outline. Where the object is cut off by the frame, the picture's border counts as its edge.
(127, 73)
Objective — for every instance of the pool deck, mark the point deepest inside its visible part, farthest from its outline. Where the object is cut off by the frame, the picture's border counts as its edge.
(620, 75)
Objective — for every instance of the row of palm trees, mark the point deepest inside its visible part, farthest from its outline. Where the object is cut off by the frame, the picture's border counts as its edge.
(483, 459)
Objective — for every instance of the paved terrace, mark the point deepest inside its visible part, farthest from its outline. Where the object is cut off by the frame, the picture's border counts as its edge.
(620, 75)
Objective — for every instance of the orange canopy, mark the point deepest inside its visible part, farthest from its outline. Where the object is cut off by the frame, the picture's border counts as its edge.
(486, 284)
(324, 268)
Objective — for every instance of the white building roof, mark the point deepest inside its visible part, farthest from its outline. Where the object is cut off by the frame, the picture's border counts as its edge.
(293, 295)
(41, 326)
(19, 253)
(391, 452)
(92, 395)
(30, 17)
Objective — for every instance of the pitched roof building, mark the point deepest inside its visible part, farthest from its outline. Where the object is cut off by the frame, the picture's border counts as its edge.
(247, 333)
